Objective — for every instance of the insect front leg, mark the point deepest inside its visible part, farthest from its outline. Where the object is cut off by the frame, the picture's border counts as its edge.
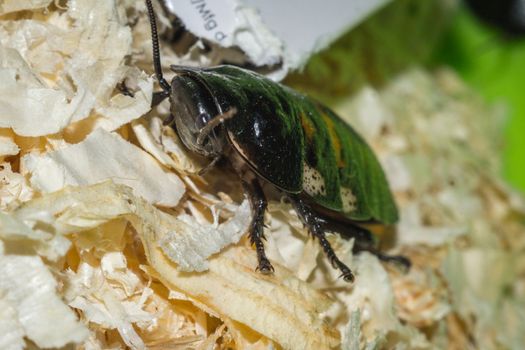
(215, 122)
(158, 97)
(315, 226)
(258, 203)
(123, 88)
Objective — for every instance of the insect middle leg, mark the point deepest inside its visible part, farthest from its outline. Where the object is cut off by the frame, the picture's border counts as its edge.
(258, 203)
(316, 227)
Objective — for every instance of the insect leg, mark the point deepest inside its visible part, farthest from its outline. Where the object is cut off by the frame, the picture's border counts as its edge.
(397, 259)
(349, 230)
(169, 120)
(258, 203)
(364, 241)
(210, 165)
(158, 97)
(212, 124)
(315, 225)
(124, 89)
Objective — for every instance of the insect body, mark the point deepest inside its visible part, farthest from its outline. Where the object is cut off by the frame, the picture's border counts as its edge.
(271, 133)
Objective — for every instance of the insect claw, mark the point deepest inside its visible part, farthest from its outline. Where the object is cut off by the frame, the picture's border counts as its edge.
(348, 276)
(265, 267)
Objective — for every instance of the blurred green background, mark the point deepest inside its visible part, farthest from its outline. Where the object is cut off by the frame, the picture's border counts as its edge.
(494, 64)
(429, 33)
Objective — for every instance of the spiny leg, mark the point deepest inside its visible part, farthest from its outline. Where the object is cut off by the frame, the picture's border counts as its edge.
(258, 203)
(363, 241)
(395, 259)
(315, 225)
(348, 230)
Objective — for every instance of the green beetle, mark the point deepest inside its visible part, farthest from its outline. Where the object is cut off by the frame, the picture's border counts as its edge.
(269, 132)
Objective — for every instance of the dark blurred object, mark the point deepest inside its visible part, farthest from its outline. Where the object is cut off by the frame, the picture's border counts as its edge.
(508, 16)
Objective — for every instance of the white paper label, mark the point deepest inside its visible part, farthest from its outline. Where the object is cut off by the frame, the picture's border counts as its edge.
(272, 31)
(209, 19)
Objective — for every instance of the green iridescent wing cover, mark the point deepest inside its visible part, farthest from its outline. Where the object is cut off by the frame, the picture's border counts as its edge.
(353, 181)
(300, 145)
(360, 172)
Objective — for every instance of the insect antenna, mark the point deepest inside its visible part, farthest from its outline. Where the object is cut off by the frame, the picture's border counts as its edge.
(156, 50)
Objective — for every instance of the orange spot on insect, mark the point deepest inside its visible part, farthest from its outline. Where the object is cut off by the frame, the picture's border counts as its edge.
(308, 127)
(334, 138)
